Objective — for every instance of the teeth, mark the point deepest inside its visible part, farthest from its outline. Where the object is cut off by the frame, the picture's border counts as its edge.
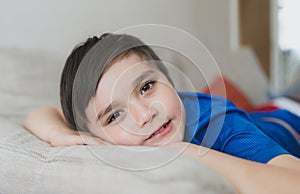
(158, 131)
(165, 125)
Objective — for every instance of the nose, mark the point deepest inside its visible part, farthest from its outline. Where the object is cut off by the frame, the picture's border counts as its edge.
(142, 112)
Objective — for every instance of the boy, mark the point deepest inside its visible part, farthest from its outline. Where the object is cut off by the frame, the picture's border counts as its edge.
(116, 88)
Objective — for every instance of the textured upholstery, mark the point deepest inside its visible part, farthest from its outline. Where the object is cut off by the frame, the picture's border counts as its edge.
(28, 165)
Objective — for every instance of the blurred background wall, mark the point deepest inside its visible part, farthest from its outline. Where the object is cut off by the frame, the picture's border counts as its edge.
(59, 24)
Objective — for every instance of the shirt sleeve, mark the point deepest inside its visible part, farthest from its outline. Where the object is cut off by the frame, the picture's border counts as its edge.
(244, 139)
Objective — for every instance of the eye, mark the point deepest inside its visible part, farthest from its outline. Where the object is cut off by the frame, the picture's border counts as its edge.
(114, 116)
(147, 86)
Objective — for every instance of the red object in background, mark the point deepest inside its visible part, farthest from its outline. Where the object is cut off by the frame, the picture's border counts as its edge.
(266, 108)
(231, 92)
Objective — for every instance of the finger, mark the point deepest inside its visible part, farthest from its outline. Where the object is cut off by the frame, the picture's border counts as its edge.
(69, 140)
(77, 139)
(90, 140)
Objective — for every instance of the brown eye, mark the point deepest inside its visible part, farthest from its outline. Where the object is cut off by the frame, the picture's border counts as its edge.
(147, 86)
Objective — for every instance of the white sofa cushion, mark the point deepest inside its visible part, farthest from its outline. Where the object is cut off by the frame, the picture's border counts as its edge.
(28, 165)
(30, 79)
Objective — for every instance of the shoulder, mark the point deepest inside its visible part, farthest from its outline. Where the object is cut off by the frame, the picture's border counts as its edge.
(205, 102)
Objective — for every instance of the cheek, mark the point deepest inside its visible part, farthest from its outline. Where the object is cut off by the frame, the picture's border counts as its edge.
(118, 136)
(171, 100)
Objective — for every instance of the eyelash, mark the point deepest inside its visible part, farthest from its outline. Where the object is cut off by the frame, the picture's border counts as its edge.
(116, 114)
(148, 83)
(113, 116)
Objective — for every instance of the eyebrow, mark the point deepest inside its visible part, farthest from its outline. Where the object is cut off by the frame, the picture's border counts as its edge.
(106, 110)
(139, 79)
(135, 82)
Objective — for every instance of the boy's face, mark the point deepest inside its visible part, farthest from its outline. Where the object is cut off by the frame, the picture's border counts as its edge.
(135, 105)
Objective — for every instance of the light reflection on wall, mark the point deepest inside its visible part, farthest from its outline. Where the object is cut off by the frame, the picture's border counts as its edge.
(289, 39)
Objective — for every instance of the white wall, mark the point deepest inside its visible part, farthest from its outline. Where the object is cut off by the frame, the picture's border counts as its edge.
(60, 24)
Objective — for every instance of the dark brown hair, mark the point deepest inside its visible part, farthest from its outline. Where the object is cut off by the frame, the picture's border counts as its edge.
(84, 67)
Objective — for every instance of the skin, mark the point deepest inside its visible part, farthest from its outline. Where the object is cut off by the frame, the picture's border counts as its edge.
(136, 92)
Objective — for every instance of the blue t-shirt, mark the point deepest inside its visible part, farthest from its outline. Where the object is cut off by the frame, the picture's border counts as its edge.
(216, 123)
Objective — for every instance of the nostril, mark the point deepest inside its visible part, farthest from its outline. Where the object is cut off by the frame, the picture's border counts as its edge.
(147, 117)
(153, 116)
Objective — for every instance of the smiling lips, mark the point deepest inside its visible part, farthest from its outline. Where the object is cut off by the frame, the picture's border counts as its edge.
(163, 130)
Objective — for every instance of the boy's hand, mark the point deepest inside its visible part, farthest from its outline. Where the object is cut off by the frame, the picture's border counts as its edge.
(49, 125)
(68, 137)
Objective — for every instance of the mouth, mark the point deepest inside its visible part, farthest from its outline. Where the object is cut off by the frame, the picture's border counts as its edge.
(162, 131)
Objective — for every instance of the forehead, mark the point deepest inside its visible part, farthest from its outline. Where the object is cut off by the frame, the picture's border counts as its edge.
(121, 65)
(118, 74)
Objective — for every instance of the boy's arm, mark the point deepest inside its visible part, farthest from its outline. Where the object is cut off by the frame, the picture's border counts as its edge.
(246, 176)
(49, 125)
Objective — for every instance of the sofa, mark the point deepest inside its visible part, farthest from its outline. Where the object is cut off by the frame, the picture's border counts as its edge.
(30, 79)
